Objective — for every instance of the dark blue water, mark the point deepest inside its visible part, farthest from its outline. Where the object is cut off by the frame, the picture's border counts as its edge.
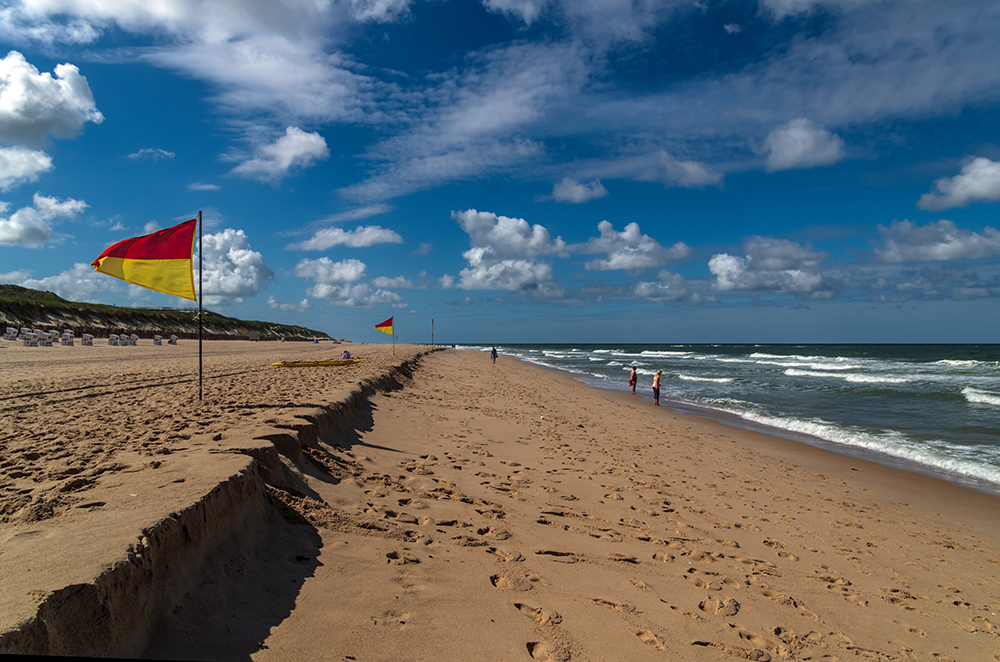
(929, 408)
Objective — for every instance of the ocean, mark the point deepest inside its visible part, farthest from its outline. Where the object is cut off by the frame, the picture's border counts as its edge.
(934, 409)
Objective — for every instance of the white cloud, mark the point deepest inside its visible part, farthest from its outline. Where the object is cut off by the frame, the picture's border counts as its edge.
(503, 255)
(149, 227)
(326, 271)
(628, 249)
(379, 11)
(802, 144)
(338, 283)
(732, 28)
(296, 149)
(524, 276)
(152, 153)
(689, 174)
(527, 11)
(399, 283)
(20, 165)
(359, 213)
(669, 288)
(501, 237)
(979, 179)
(232, 269)
(289, 307)
(199, 186)
(771, 264)
(360, 237)
(78, 283)
(34, 105)
(906, 242)
(29, 226)
(570, 190)
(474, 120)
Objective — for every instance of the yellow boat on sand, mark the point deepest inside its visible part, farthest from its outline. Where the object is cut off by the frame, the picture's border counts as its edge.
(314, 364)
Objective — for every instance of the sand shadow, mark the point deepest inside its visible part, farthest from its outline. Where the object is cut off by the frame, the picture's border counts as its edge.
(248, 587)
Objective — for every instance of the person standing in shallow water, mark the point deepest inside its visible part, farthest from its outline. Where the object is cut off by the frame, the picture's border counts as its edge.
(656, 388)
(632, 379)
(493, 355)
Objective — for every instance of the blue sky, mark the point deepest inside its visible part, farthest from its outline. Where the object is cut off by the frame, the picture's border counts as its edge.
(520, 170)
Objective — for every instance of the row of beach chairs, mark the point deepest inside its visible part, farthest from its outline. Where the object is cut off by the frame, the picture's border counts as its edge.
(37, 338)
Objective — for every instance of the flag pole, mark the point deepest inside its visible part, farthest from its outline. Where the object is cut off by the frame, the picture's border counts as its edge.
(201, 277)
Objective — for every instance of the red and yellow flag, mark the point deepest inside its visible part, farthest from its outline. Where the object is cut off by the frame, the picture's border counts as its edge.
(160, 261)
(386, 326)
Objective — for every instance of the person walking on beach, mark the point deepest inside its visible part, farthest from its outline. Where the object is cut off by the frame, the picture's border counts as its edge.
(493, 355)
(656, 388)
(632, 378)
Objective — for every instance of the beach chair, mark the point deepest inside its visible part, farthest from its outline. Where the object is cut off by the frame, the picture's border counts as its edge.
(30, 339)
(67, 339)
(172, 341)
(113, 339)
(133, 340)
(157, 340)
(45, 338)
(10, 333)
(24, 331)
(87, 340)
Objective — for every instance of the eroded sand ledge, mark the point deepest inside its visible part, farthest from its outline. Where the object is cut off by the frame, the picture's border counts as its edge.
(460, 511)
(109, 522)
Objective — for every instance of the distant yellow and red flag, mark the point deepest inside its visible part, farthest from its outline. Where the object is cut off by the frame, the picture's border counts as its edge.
(160, 261)
(386, 326)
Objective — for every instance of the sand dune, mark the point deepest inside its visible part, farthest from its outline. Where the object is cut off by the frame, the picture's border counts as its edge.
(435, 506)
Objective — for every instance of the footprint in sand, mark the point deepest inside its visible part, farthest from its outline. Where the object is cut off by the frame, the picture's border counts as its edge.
(710, 581)
(720, 606)
(546, 652)
(539, 615)
(511, 581)
(649, 638)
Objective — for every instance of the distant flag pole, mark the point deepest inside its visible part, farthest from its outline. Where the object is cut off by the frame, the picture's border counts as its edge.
(386, 327)
(162, 261)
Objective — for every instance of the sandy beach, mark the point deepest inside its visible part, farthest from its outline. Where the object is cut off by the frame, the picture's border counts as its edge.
(430, 505)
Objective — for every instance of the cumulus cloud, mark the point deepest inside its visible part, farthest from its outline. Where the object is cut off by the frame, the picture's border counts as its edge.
(232, 269)
(732, 28)
(524, 276)
(979, 179)
(570, 190)
(289, 307)
(360, 237)
(338, 283)
(78, 283)
(669, 288)
(906, 242)
(628, 249)
(777, 265)
(326, 271)
(30, 226)
(504, 255)
(34, 105)
(152, 153)
(20, 165)
(501, 237)
(398, 283)
(294, 150)
(802, 144)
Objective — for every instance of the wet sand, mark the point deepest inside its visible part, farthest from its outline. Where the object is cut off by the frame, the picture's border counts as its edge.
(451, 509)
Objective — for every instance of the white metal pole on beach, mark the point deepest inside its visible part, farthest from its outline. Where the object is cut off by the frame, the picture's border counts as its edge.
(200, 325)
